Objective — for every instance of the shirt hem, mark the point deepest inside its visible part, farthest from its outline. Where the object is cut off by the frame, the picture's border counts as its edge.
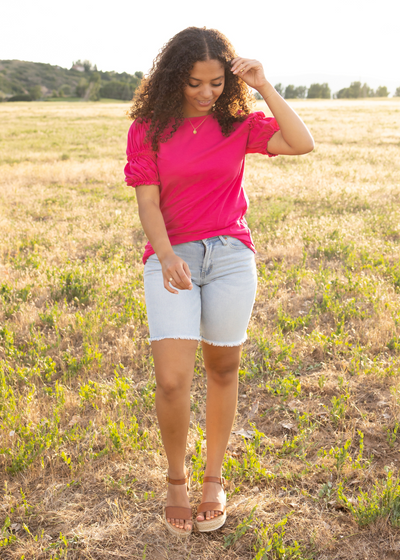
(206, 235)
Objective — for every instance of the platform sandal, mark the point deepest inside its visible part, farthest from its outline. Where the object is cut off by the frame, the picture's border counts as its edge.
(217, 522)
(177, 512)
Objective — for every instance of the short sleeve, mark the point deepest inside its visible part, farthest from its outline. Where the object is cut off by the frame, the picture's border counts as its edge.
(261, 130)
(141, 168)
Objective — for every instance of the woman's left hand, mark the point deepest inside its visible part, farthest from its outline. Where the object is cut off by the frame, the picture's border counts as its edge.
(251, 71)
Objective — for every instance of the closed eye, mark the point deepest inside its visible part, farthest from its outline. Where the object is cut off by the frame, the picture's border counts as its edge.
(213, 85)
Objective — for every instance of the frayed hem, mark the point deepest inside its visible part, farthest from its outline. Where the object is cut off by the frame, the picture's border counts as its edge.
(226, 344)
(157, 338)
(221, 344)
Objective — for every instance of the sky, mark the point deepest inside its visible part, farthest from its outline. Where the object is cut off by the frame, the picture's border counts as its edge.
(297, 41)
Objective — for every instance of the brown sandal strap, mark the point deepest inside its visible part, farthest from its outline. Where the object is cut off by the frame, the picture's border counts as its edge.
(215, 479)
(211, 506)
(175, 481)
(176, 512)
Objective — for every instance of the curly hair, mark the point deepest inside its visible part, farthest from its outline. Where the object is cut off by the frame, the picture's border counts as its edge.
(159, 99)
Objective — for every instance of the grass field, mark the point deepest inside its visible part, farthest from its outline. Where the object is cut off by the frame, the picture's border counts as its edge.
(314, 471)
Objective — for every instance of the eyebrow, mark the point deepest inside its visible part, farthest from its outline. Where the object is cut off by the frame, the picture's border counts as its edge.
(213, 80)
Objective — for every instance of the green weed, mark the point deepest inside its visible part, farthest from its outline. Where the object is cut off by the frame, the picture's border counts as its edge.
(240, 530)
(326, 491)
(321, 381)
(197, 457)
(91, 394)
(148, 394)
(288, 323)
(285, 387)
(394, 344)
(383, 501)
(91, 359)
(51, 316)
(6, 537)
(391, 435)
(73, 285)
(339, 408)
(124, 436)
(271, 544)
(12, 299)
(296, 445)
(250, 466)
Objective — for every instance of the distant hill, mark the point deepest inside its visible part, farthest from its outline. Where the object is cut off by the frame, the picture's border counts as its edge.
(37, 80)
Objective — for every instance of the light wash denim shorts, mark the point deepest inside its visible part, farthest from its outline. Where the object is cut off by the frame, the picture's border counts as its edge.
(217, 310)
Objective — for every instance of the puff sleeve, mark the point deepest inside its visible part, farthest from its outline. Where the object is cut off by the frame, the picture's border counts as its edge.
(141, 168)
(261, 130)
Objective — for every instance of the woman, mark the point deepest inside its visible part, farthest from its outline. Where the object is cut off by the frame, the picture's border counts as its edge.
(186, 150)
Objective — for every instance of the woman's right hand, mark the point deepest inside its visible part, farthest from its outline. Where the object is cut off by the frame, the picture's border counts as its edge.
(175, 272)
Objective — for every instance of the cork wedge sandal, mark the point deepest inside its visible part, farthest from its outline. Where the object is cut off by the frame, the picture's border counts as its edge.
(212, 524)
(177, 512)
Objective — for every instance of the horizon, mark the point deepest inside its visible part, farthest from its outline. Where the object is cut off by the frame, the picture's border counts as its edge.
(335, 82)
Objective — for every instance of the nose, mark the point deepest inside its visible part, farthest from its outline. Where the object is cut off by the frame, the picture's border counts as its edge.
(206, 92)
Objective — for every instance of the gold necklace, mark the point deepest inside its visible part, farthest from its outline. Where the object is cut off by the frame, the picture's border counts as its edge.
(197, 127)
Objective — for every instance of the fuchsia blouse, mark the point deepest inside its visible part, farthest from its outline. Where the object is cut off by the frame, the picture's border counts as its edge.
(200, 176)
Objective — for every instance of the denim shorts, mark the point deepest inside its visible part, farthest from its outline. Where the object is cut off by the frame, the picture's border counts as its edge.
(217, 310)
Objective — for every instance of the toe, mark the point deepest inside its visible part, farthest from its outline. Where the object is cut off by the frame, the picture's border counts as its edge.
(207, 515)
(200, 517)
(188, 526)
(181, 523)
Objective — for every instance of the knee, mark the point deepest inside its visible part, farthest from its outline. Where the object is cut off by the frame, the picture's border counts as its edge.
(170, 387)
(223, 373)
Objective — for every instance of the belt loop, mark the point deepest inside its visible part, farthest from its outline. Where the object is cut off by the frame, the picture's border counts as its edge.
(223, 240)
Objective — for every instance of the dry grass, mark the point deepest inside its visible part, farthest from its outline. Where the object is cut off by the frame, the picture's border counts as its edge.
(80, 452)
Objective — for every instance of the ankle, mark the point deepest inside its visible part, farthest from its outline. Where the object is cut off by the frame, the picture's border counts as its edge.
(177, 474)
(214, 473)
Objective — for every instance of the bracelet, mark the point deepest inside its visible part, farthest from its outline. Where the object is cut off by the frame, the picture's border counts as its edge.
(265, 98)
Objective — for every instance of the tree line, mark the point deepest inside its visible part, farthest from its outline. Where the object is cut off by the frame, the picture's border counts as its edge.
(32, 81)
(356, 91)
(323, 91)
(96, 85)
(29, 81)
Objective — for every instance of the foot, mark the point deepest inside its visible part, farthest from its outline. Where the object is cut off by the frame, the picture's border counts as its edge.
(212, 492)
(177, 496)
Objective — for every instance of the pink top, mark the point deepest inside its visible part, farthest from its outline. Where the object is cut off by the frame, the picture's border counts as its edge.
(200, 176)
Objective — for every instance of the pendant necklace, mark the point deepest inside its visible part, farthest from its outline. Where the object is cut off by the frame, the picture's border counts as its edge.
(195, 129)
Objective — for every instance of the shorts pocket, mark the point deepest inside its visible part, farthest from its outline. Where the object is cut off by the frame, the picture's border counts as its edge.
(236, 243)
(152, 265)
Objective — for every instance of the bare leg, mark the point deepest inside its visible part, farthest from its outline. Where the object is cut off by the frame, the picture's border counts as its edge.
(174, 365)
(222, 365)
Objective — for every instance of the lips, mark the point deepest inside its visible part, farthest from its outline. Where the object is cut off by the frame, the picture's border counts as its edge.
(204, 102)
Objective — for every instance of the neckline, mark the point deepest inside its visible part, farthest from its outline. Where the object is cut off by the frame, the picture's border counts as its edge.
(199, 117)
